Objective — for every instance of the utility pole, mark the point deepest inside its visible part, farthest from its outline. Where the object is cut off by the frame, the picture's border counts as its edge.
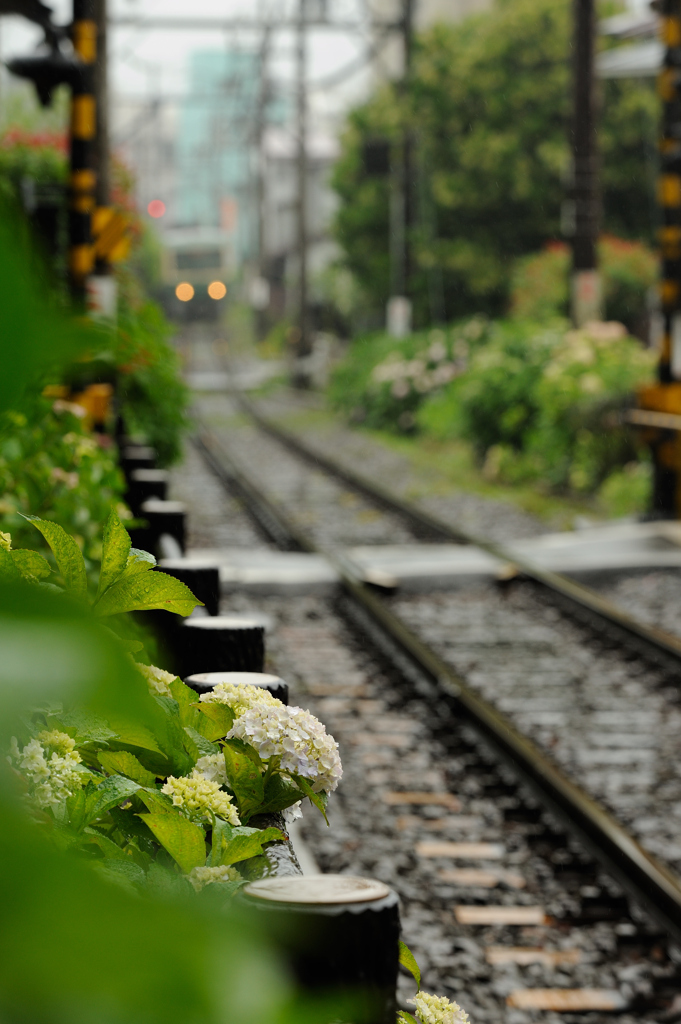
(585, 285)
(399, 311)
(102, 155)
(304, 341)
(83, 132)
(260, 287)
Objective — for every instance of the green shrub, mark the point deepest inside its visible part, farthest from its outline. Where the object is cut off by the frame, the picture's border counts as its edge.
(540, 286)
(383, 381)
(152, 394)
(543, 406)
(51, 467)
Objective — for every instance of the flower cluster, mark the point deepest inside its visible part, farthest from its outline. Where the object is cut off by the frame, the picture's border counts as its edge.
(50, 766)
(203, 876)
(199, 799)
(211, 767)
(438, 1010)
(239, 698)
(5, 541)
(429, 370)
(296, 738)
(158, 680)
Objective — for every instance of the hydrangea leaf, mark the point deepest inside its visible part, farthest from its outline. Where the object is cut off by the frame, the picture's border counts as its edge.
(408, 960)
(9, 571)
(67, 554)
(115, 548)
(87, 804)
(183, 840)
(125, 763)
(133, 734)
(201, 742)
(245, 847)
(220, 716)
(144, 591)
(157, 802)
(245, 780)
(31, 564)
(280, 794)
(138, 561)
(318, 799)
(406, 1018)
(110, 850)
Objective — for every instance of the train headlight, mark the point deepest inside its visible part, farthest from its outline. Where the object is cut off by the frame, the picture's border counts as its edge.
(184, 292)
(217, 290)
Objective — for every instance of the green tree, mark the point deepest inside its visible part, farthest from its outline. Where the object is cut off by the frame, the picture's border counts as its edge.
(489, 109)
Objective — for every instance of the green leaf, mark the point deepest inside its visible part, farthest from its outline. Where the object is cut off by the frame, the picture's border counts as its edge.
(157, 802)
(408, 960)
(9, 571)
(220, 716)
(84, 726)
(245, 779)
(90, 802)
(68, 557)
(142, 592)
(110, 849)
(184, 841)
(406, 1018)
(125, 763)
(203, 745)
(138, 561)
(320, 800)
(245, 847)
(132, 828)
(115, 548)
(132, 734)
(280, 794)
(31, 564)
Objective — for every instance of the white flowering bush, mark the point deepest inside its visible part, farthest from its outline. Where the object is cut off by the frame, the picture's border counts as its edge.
(384, 381)
(178, 797)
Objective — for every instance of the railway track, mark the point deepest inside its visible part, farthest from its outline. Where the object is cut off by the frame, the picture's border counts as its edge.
(481, 742)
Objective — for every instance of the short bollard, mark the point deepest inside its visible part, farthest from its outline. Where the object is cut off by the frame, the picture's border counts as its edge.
(164, 517)
(202, 578)
(339, 936)
(203, 682)
(222, 643)
(146, 483)
(137, 456)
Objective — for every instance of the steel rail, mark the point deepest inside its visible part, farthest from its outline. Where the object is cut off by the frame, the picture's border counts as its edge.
(650, 882)
(577, 594)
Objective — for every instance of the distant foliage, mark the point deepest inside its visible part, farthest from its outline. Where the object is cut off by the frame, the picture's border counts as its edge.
(538, 403)
(489, 111)
(383, 382)
(542, 404)
(540, 283)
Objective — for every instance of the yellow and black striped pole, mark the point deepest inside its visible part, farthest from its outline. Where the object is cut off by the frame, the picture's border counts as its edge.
(83, 133)
(665, 395)
(670, 182)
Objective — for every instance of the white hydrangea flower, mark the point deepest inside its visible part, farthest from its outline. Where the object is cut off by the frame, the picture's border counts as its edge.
(158, 680)
(240, 698)
(199, 798)
(51, 771)
(297, 738)
(292, 813)
(202, 876)
(438, 1010)
(211, 767)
